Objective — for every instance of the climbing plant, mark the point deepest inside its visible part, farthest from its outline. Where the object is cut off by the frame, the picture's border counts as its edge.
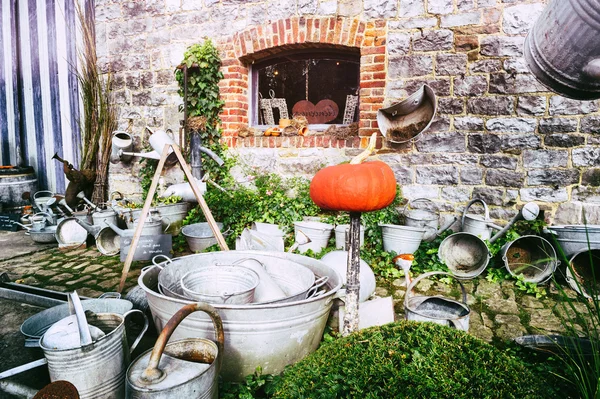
(203, 65)
(204, 104)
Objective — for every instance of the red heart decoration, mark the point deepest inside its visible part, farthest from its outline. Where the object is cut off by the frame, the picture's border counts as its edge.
(325, 111)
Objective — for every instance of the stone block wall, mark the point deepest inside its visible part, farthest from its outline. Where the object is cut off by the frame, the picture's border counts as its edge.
(498, 135)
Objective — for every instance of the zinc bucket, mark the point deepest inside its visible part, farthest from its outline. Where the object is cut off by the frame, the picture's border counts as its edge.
(229, 284)
(317, 232)
(340, 235)
(401, 239)
(465, 254)
(584, 274)
(531, 256)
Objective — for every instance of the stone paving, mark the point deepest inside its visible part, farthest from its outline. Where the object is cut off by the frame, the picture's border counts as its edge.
(498, 311)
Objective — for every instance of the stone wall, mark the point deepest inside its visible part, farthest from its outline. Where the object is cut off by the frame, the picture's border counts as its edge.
(498, 135)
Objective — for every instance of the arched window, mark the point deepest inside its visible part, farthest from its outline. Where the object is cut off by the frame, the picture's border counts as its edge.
(320, 84)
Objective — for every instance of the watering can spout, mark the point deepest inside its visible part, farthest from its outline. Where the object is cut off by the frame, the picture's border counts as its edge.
(530, 211)
(446, 226)
(214, 156)
(92, 230)
(113, 227)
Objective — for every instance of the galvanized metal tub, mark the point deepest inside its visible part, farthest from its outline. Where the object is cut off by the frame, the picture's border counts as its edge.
(295, 280)
(97, 370)
(530, 256)
(576, 238)
(271, 336)
(229, 284)
(562, 49)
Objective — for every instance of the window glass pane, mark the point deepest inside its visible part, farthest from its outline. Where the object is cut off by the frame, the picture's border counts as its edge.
(312, 79)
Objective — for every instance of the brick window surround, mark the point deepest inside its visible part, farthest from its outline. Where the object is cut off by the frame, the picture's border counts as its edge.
(240, 50)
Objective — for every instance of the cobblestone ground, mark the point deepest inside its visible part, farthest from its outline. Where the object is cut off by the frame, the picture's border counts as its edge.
(498, 311)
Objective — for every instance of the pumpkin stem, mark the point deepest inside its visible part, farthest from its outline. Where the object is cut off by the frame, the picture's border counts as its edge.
(360, 158)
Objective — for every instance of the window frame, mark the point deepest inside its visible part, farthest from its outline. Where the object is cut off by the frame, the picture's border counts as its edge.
(351, 54)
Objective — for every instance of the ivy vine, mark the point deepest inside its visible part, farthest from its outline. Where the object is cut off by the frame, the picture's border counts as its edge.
(203, 74)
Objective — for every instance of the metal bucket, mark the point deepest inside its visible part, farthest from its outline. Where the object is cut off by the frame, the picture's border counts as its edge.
(40, 198)
(437, 309)
(531, 256)
(562, 49)
(271, 336)
(587, 275)
(70, 234)
(200, 236)
(317, 232)
(186, 368)
(97, 370)
(465, 254)
(172, 216)
(35, 326)
(228, 284)
(401, 239)
(406, 120)
(343, 230)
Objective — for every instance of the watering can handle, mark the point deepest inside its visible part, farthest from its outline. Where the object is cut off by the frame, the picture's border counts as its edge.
(413, 283)
(152, 372)
(421, 199)
(237, 262)
(485, 209)
(141, 334)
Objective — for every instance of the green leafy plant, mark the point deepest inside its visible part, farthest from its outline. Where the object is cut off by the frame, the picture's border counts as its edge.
(409, 360)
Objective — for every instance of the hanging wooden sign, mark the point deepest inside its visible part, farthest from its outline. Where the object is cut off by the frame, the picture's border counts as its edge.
(324, 111)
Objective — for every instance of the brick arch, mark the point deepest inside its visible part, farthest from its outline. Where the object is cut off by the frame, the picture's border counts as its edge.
(241, 49)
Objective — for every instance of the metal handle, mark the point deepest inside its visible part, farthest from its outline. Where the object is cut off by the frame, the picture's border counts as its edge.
(237, 262)
(485, 208)
(152, 373)
(592, 69)
(85, 337)
(312, 291)
(413, 283)
(166, 262)
(110, 295)
(141, 334)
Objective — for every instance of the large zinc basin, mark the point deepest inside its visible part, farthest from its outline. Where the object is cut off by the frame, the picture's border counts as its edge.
(271, 336)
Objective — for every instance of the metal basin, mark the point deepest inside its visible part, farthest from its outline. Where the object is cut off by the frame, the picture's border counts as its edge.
(576, 238)
(271, 335)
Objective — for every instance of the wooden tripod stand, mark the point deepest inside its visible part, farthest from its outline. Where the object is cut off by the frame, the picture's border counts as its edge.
(145, 210)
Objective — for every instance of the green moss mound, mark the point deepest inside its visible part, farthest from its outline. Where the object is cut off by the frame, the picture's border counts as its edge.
(408, 360)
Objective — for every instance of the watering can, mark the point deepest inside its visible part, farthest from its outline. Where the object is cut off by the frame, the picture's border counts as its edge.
(425, 218)
(481, 226)
(157, 141)
(121, 141)
(466, 254)
(188, 368)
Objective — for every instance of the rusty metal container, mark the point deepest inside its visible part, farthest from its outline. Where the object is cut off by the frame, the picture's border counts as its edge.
(562, 49)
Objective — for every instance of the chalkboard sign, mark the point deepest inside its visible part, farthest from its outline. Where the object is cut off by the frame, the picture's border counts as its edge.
(148, 246)
(7, 219)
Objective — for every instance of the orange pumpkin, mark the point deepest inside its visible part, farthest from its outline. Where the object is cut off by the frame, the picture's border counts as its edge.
(363, 187)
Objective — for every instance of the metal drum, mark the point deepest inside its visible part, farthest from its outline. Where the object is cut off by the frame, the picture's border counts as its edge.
(562, 48)
(271, 336)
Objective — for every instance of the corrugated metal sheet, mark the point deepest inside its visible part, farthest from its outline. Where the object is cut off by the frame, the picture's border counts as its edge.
(39, 100)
